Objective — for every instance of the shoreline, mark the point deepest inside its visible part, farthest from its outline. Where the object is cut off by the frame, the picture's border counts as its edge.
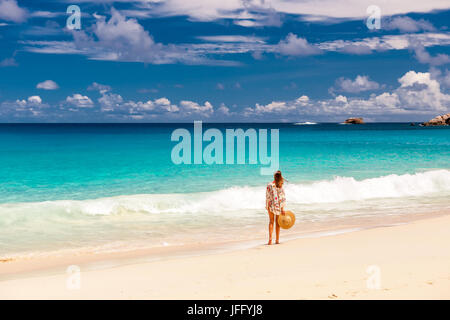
(54, 262)
(421, 234)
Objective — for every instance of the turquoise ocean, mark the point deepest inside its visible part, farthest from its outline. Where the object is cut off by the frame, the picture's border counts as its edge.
(109, 187)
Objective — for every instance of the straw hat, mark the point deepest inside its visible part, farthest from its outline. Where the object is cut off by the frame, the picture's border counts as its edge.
(287, 220)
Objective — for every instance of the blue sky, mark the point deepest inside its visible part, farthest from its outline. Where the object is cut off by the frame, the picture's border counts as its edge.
(223, 61)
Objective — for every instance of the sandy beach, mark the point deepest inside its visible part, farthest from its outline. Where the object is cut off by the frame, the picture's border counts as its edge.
(409, 261)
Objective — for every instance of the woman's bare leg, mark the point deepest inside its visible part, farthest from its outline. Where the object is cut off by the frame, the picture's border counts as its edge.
(271, 218)
(277, 230)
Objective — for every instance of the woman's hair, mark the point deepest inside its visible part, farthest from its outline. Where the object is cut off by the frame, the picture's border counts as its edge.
(278, 178)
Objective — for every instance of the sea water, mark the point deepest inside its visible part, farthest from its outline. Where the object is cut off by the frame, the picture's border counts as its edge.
(115, 187)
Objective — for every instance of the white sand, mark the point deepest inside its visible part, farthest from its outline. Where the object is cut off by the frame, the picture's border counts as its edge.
(413, 261)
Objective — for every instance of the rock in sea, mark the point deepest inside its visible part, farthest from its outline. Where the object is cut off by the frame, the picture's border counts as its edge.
(443, 120)
(355, 121)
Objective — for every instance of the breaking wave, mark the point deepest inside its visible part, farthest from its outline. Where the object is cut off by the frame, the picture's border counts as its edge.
(239, 200)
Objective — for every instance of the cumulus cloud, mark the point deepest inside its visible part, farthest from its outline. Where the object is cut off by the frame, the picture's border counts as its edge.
(10, 11)
(407, 24)
(156, 106)
(99, 87)
(30, 102)
(418, 91)
(303, 99)
(190, 107)
(417, 94)
(47, 85)
(114, 104)
(341, 98)
(79, 101)
(33, 100)
(224, 110)
(122, 39)
(30, 107)
(361, 83)
(423, 56)
(292, 45)
(443, 77)
(279, 107)
(110, 101)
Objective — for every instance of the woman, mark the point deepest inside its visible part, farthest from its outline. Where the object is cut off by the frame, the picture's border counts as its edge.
(275, 202)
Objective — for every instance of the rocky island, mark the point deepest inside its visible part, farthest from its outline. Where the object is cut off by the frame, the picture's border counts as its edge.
(443, 120)
(354, 121)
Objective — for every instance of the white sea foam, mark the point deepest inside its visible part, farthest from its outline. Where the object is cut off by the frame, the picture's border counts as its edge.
(240, 201)
(304, 123)
(148, 220)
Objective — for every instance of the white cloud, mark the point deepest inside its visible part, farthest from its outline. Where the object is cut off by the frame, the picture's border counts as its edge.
(417, 94)
(10, 11)
(99, 87)
(254, 12)
(295, 46)
(303, 99)
(232, 38)
(407, 24)
(122, 39)
(34, 100)
(114, 105)
(388, 42)
(190, 107)
(341, 98)
(32, 106)
(47, 85)
(166, 105)
(153, 106)
(223, 109)
(418, 91)
(423, 56)
(443, 77)
(361, 83)
(80, 101)
(46, 14)
(110, 101)
(355, 49)
(279, 107)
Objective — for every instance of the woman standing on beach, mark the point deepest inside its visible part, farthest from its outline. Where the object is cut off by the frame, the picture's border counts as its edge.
(275, 202)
